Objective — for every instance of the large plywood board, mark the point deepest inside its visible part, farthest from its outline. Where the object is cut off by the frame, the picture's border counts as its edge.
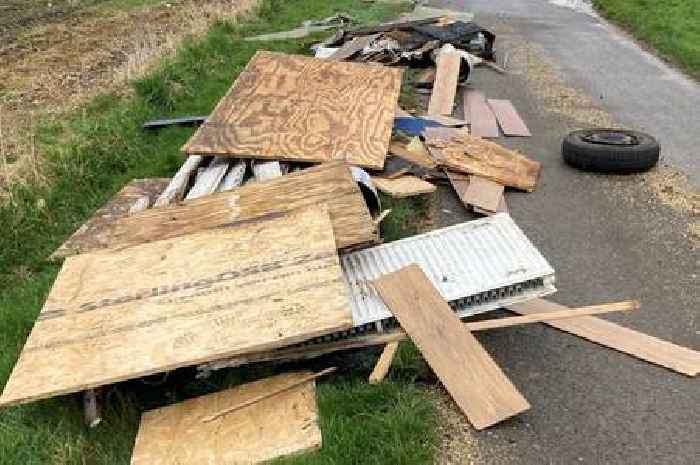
(606, 333)
(280, 425)
(466, 370)
(117, 315)
(331, 184)
(95, 233)
(296, 108)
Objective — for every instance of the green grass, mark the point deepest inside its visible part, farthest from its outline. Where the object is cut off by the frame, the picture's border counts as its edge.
(672, 27)
(93, 153)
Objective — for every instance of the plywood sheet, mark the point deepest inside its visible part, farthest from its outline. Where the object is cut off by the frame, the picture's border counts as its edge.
(331, 184)
(508, 118)
(466, 370)
(283, 424)
(117, 315)
(403, 186)
(465, 153)
(415, 152)
(442, 98)
(97, 230)
(483, 193)
(296, 108)
(629, 341)
(481, 119)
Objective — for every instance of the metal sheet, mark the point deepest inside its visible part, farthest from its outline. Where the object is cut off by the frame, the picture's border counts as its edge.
(477, 266)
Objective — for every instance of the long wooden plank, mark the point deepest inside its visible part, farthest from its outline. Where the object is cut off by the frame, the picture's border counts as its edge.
(469, 374)
(481, 119)
(462, 152)
(95, 233)
(403, 186)
(442, 99)
(331, 184)
(311, 351)
(118, 315)
(179, 182)
(210, 178)
(483, 193)
(642, 346)
(415, 152)
(508, 118)
(296, 108)
(283, 424)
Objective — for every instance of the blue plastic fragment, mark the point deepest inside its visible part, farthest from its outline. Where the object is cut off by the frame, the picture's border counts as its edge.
(414, 126)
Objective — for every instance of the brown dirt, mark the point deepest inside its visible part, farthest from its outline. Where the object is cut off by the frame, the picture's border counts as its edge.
(73, 55)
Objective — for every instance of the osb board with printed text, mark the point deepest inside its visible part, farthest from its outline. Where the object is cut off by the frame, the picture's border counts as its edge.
(277, 426)
(117, 315)
(296, 108)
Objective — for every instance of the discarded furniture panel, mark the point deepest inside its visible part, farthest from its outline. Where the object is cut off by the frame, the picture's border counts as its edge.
(465, 153)
(297, 108)
(318, 347)
(642, 346)
(117, 315)
(477, 266)
(508, 118)
(403, 186)
(481, 119)
(284, 423)
(442, 98)
(331, 184)
(476, 383)
(95, 233)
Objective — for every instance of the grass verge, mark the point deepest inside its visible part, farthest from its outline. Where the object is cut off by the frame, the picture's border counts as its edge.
(670, 27)
(90, 155)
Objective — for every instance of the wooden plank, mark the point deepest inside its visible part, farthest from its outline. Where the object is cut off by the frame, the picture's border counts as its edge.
(283, 424)
(483, 193)
(460, 184)
(508, 118)
(296, 108)
(642, 346)
(481, 119)
(502, 208)
(95, 232)
(331, 184)
(117, 315)
(415, 152)
(209, 179)
(267, 170)
(381, 369)
(179, 182)
(404, 186)
(469, 374)
(316, 350)
(234, 177)
(442, 99)
(465, 153)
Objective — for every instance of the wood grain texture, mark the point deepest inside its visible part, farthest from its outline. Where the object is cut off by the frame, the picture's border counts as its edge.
(466, 153)
(331, 184)
(403, 186)
(642, 346)
(381, 369)
(118, 315)
(295, 108)
(442, 99)
(95, 233)
(277, 426)
(483, 193)
(469, 374)
(508, 118)
(481, 119)
(414, 151)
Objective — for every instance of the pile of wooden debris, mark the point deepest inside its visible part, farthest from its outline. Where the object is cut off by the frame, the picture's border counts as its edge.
(264, 246)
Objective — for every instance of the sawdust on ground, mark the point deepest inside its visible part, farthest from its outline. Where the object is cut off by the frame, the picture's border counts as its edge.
(55, 66)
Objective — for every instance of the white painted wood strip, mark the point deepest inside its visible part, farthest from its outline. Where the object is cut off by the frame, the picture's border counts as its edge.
(267, 170)
(178, 184)
(234, 177)
(210, 179)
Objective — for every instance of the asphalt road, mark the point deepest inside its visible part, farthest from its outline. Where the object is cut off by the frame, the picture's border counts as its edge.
(608, 239)
(638, 89)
